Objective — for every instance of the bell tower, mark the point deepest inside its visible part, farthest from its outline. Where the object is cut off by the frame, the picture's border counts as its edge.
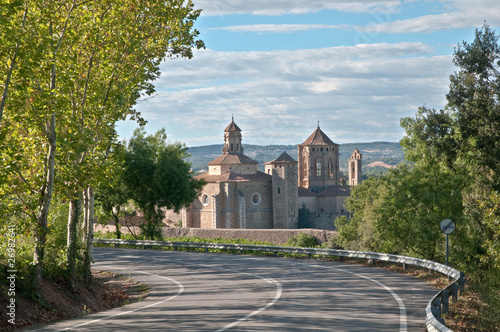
(232, 139)
(355, 168)
(318, 162)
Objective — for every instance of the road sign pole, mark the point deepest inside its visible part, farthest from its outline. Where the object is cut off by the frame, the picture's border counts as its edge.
(447, 248)
(447, 227)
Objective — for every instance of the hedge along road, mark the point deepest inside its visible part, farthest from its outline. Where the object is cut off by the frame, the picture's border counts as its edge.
(222, 292)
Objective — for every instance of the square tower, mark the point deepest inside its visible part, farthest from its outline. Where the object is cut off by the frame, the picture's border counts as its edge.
(318, 162)
(285, 191)
(355, 171)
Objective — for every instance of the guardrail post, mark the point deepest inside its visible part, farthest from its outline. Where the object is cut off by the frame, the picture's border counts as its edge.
(462, 283)
(206, 249)
(240, 251)
(404, 266)
(116, 245)
(454, 292)
(436, 309)
(445, 295)
(309, 256)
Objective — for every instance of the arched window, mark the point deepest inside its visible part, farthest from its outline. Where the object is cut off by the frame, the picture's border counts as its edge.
(318, 168)
(330, 169)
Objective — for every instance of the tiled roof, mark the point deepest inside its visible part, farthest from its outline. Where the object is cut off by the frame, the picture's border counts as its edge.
(318, 137)
(234, 177)
(283, 158)
(232, 127)
(232, 159)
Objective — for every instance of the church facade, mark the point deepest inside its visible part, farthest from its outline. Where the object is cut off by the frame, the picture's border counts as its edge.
(288, 194)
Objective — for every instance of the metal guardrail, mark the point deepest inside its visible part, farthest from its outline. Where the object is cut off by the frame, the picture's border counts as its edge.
(437, 306)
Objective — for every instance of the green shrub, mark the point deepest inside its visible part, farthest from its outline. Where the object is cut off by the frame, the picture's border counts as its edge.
(331, 244)
(302, 240)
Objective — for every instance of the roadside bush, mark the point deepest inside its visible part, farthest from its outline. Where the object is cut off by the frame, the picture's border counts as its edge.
(302, 240)
(331, 244)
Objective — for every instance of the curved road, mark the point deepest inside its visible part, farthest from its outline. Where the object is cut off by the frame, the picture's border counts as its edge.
(223, 292)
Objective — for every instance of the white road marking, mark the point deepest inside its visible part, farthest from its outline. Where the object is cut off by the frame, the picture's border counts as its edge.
(179, 292)
(403, 325)
(279, 290)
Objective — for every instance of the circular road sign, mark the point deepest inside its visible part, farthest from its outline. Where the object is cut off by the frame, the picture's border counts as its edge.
(447, 226)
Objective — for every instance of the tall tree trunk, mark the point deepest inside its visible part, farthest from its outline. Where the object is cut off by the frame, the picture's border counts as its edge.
(85, 215)
(74, 213)
(89, 236)
(116, 216)
(43, 211)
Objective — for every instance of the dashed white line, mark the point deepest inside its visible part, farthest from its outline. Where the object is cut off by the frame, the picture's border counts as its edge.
(179, 292)
(279, 290)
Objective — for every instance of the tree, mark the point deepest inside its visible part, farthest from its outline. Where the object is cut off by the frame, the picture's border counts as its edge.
(111, 196)
(466, 136)
(454, 173)
(82, 65)
(157, 177)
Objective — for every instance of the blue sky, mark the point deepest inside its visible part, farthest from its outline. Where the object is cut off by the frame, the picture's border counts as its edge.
(280, 66)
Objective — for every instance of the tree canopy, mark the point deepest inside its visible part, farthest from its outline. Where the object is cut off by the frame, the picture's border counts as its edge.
(452, 172)
(70, 70)
(157, 177)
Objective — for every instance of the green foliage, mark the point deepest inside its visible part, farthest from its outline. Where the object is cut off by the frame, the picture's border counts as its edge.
(110, 235)
(156, 176)
(84, 65)
(455, 173)
(331, 243)
(375, 171)
(302, 240)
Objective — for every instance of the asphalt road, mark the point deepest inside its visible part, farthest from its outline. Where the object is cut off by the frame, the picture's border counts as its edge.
(223, 292)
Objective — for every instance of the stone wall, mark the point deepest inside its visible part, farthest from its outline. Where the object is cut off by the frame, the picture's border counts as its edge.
(275, 236)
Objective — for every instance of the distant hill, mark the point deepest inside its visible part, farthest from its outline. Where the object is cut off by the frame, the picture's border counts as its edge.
(389, 153)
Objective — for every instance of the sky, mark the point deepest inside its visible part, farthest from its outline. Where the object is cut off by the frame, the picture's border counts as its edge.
(281, 66)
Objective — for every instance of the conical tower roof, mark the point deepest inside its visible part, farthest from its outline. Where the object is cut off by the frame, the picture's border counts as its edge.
(284, 158)
(232, 126)
(318, 137)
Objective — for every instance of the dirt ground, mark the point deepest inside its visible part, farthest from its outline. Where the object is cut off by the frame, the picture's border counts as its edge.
(107, 291)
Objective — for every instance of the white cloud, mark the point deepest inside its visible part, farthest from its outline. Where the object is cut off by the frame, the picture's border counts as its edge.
(358, 93)
(461, 14)
(280, 28)
(281, 7)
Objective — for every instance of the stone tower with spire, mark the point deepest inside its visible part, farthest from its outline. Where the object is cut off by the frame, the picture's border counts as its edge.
(232, 139)
(318, 162)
